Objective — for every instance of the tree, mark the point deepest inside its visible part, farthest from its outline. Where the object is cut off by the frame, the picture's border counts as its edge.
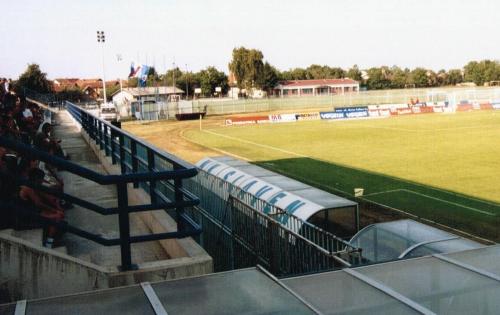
(482, 72)
(152, 77)
(377, 79)
(454, 76)
(33, 78)
(247, 66)
(354, 73)
(399, 78)
(209, 79)
(73, 94)
(294, 74)
(418, 76)
(269, 78)
(171, 75)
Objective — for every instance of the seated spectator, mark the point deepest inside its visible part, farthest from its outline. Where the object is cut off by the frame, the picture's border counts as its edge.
(47, 205)
(44, 142)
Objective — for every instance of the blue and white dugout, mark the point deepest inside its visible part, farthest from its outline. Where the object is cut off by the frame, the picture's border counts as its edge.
(325, 210)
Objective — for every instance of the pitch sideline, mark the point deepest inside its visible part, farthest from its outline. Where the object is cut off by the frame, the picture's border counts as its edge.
(306, 156)
(430, 197)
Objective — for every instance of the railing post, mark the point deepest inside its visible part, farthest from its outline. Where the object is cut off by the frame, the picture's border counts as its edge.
(123, 167)
(133, 156)
(151, 168)
(101, 134)
(96, 130)
(113, 144)
(179, 197)
(106, 140)
(123, 218)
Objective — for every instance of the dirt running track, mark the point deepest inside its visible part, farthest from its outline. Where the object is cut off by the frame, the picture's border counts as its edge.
(168, 135)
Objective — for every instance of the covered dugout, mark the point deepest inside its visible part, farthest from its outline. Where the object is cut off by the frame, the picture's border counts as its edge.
(330, 212)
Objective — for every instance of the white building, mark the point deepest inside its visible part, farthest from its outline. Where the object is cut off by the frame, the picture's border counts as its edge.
(162, 94)
(316, 87)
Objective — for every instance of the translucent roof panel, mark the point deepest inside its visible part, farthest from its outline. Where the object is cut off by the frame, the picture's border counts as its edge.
(236, 292)
(128, 300)
(440, 286)
(341, 293)
(486, 258)
(447, 246)
(390, 240)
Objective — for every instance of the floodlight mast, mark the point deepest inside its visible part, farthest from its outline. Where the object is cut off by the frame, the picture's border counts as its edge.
(101, 38)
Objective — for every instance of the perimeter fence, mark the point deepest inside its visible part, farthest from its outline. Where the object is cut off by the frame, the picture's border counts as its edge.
(225, 106)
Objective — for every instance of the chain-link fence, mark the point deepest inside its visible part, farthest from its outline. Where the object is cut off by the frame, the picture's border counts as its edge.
(224, 106)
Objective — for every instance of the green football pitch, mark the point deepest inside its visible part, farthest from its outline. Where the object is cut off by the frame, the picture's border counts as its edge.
(441, 167)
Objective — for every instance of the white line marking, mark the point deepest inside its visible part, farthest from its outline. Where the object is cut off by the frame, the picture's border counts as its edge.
(434, 198)
(367, 171)
(381, 192)
(257, 144)
(419, 130)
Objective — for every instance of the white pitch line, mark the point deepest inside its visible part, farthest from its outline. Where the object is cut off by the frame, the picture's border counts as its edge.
(450, 202)
(382, 192)
(403, 180)
(422, 130)
(430, 197)
(256, 144)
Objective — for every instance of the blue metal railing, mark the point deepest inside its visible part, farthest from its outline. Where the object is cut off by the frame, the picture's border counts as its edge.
(140, 163)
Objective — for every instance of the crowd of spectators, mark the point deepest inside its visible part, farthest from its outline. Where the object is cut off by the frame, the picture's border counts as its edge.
(25, 122)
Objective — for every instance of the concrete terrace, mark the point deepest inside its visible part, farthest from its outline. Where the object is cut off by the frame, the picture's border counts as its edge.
(30, 270)
(105, 196)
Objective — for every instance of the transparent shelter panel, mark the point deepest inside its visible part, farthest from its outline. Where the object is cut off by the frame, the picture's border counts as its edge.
(389, 240)
(454, 245)
(486, 258)
(442, 287)
(128, 300)
(234, 292)
(340, 293)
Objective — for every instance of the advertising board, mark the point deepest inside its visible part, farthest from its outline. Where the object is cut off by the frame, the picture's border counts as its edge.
(307, 116)
(279, 118)
(248, 120)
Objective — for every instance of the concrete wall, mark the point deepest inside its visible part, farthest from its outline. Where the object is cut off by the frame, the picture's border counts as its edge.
(28, 271)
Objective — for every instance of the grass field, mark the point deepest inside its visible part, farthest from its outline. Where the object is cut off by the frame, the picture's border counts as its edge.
(445, 168)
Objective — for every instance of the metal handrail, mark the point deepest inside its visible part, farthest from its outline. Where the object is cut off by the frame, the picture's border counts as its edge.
(92, 175)
(104, 132)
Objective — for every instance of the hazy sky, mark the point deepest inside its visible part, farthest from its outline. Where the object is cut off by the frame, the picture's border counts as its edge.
(61, 35)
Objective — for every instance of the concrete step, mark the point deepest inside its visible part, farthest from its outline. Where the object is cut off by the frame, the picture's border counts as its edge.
(84, 257)
(61, 249)
(34, 236)
(7, 232)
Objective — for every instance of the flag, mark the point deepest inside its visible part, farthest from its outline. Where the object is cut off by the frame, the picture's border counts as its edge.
(143, 76)
(134, 71)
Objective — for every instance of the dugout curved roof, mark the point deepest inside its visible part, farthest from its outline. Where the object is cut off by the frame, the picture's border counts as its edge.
(406, 239)
(268, 186)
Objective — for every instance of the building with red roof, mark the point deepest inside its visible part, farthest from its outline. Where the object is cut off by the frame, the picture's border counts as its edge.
(316, 87)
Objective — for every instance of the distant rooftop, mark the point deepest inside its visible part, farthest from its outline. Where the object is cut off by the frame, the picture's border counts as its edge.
(321, 82)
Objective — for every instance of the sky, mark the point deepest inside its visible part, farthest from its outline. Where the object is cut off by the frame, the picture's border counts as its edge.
(60, 36)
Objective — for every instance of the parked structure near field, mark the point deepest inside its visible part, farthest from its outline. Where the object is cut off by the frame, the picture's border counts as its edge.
(330, 212)
(316, 87)
(159, 94)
